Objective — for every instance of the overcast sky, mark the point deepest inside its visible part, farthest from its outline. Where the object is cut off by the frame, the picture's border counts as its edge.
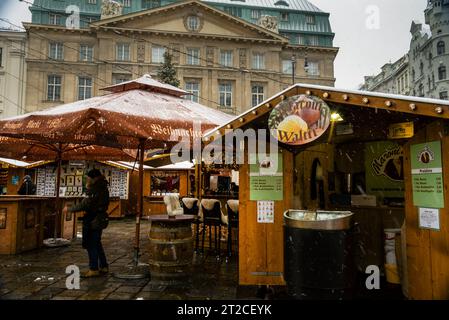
(369, 33)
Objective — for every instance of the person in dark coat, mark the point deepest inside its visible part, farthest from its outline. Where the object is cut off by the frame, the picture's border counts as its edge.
(95, 203)
(27, 187)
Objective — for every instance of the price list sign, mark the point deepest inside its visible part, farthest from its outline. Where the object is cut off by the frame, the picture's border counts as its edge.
(427, 175)
(266, 178)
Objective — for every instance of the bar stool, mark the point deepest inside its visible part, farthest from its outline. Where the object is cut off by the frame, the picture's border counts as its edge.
(232, 207)
(191, 207)
(212, 217)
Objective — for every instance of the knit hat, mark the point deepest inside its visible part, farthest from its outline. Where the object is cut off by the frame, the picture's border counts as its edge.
(94, 173)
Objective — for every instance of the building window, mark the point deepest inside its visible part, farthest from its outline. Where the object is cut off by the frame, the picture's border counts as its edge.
(441, 47)
(86, 52)
(92, 1)
(194, 88)
(226, 58)
(123, 52)
(157, 54)
(257, 95)
(237, 12)
(225, 89)
(193, 56)
(1, 57)
(310, 19)
(443, 95)
(84, 88)
(255, 14)
(193, 23)
(54, 19)
(120, 78)
(56, 51)
(147, 4)
(421, 69)
(314, 40)
(284, 16)
(258, 61)
(413, 75)
(127, 3)
(314, 69)
(287, 66)
(442, 73)
(302, 39)
(54, 88)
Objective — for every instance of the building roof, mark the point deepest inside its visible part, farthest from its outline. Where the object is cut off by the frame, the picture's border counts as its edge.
(292, 5)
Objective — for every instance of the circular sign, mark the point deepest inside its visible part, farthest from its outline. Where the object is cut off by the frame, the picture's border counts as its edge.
(299, 120)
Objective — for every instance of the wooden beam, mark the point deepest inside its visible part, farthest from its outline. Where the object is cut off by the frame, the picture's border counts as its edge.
(374, 102)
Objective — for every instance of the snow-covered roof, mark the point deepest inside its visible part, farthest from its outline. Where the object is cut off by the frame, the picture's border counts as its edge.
(14, 163)
(21, 164)
(179, 165)
(387, 96)
(126, 165)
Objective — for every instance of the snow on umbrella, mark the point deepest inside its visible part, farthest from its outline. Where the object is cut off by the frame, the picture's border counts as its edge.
(138, 114)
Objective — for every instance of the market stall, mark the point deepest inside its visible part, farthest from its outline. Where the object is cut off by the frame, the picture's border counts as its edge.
(380, 156)
(175, 178)
(73, 182)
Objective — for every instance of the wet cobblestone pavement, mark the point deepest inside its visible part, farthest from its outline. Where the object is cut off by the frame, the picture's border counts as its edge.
(40, 274)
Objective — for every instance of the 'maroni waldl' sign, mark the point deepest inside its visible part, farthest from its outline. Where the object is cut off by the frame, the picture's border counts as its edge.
(299, 120)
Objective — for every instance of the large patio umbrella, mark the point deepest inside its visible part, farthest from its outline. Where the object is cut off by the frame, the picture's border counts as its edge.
(138, 114)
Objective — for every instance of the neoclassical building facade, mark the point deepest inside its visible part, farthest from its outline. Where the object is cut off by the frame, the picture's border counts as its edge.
(224, 60)
(12, 73)
(424, 70)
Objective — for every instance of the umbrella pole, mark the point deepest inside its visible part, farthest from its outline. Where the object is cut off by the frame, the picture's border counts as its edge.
(58, 242)
(137, 270)
(58, 219)
(140, 203)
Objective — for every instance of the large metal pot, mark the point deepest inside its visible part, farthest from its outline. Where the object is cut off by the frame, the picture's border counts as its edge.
(319, 220)
(318, 254)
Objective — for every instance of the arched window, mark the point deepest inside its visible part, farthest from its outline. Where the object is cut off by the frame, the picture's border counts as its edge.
(441, 47)
(442, 73)
(421, 68)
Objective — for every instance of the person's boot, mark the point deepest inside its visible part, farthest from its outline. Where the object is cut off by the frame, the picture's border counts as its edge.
(91, 273)
(104, 270)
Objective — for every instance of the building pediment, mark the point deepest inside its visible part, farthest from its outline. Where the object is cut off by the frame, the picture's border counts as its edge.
(190, 18)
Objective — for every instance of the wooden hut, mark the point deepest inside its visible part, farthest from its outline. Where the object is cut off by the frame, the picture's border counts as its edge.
(369, 153)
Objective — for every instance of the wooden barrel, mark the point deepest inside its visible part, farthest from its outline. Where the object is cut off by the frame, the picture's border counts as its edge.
(171, 246)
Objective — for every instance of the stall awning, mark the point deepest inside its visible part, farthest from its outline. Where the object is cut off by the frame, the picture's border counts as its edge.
(21, 164)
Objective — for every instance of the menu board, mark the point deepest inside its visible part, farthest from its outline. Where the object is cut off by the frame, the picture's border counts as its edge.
(266, 177)
(427, 175)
